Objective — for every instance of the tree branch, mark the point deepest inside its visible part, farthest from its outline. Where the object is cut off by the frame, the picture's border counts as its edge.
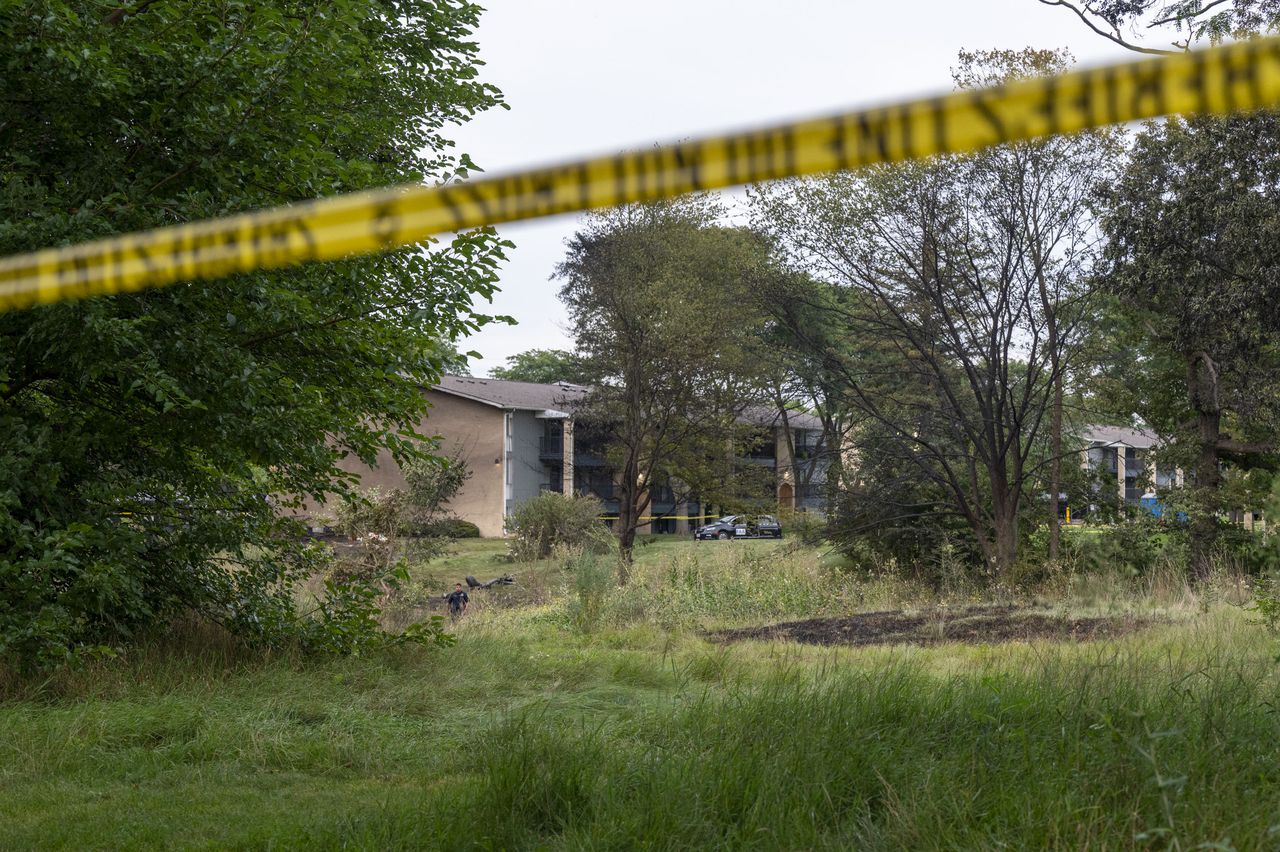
(1112, 37)
(118, 14)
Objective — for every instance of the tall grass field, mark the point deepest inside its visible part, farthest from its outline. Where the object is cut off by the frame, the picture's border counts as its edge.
(573, 715)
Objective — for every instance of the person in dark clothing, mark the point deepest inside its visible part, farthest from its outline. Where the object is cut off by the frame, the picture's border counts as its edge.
(457, 600)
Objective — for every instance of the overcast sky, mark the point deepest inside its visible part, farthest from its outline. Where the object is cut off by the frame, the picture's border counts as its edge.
(593, 77)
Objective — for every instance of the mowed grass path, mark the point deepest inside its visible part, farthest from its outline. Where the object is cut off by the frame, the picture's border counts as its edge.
(528, 734)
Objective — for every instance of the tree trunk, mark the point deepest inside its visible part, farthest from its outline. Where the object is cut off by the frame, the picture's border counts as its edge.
(628, 519)
(1005, 532)
(626, 545)
(1204, 526)
(1202, 385)
(997, 539)
(1055, 464)
(791, 445)
(1055, 415)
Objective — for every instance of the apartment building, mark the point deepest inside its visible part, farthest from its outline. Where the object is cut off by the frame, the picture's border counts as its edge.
(1127, 454)
(520, 439)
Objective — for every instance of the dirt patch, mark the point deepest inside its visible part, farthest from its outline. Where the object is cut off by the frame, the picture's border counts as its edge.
(976, 625)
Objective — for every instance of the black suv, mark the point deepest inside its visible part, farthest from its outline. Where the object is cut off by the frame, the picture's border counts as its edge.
(740, 526)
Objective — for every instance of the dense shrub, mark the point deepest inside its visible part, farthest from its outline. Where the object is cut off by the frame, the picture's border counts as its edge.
(450, 528)
(1266, 600)
(417, 510)
(809, 528)
(593, 580)
(392, 528)
(550, 520)
(374, 511)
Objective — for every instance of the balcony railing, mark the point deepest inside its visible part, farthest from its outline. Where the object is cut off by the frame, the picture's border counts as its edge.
(551, 446)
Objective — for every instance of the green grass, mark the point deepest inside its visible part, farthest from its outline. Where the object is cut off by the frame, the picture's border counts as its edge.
(532, 734)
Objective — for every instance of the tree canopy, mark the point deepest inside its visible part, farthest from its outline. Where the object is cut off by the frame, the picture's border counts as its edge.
(658, 298)
(542, 366)
(1195, 263)
(148, 440)
(946, 307)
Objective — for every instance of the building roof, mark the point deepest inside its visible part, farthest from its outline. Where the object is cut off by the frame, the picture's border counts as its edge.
(527, 396)
(768, 415)
(1119, 435)
(530, 396)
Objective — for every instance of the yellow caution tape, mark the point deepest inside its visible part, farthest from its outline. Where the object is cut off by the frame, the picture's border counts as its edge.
(1222, 79)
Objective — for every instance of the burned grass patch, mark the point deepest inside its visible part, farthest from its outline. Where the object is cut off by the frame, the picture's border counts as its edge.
(974, 625)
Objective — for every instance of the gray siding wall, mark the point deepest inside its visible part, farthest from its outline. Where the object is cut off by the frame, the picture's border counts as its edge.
(526, 473)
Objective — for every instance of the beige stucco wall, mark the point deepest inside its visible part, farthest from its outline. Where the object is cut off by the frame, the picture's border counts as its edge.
(476, 429)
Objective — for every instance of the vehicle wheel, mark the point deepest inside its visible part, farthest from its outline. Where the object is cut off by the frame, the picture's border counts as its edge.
(778, 534)
(723, 536)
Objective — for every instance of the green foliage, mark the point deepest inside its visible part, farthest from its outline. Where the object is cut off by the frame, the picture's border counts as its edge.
(1189, 21)
(542, 366)
(375, 510)
(725, 583)
(808, 528)
(1194, 264)
(390, 529)
(450, 528)
(634, 735)
(1134, 546)
(140, 435)
(432, 482)
(943, 300)
(417, 509)
(658, 297)
(593, 579)
(1266, 600)
(814, 764)
(553, 520)
(346, 617)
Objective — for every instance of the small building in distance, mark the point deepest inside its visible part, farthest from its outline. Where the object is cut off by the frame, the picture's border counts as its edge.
(519, 439)
(1126, 454)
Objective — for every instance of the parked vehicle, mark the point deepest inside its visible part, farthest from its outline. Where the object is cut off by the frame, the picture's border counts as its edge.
(740, 526)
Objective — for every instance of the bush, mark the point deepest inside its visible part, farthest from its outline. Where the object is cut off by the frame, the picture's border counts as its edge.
(1134, 546)
(375, 511)
(1266, 601)
(809, 528)
(450, 528)
(417, 510)
(593, 579)
(550, 520)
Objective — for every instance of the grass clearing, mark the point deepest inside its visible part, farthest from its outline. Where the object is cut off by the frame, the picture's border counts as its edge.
(534, 732)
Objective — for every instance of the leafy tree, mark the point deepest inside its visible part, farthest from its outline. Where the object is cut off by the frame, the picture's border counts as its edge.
(542, 366)
(1120, 21)
(1194, 261)
(658, 298)
(140, 435)
(955, 289)
(797, 376)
